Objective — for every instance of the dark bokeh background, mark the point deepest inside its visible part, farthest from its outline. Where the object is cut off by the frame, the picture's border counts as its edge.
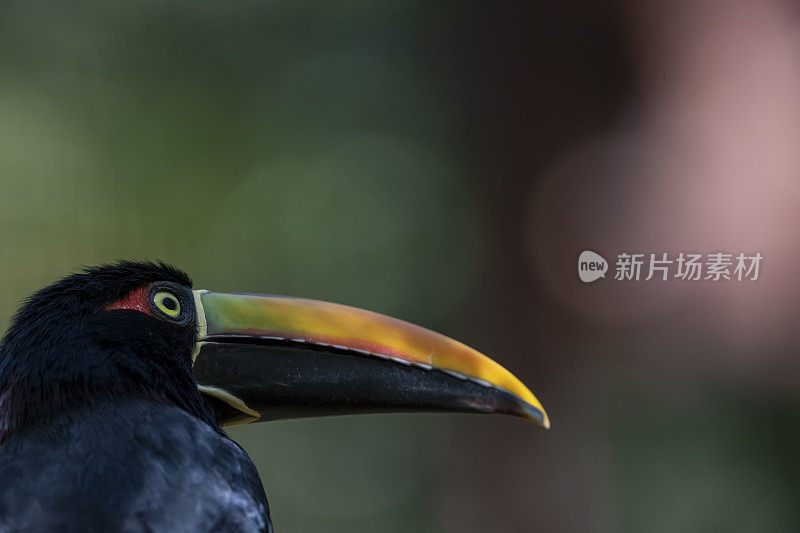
(446, 162)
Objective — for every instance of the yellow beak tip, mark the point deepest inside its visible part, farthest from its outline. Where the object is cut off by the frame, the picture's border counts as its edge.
(535, 413)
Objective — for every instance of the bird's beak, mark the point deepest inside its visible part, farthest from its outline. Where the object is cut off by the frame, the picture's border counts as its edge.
(273, 357)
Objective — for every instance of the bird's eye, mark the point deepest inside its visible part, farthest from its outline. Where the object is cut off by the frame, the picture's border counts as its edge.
(167, 303)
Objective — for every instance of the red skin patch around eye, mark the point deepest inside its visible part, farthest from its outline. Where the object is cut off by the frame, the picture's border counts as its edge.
(138, 300)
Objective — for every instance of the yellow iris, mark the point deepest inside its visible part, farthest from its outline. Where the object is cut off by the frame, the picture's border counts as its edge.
(167, 303)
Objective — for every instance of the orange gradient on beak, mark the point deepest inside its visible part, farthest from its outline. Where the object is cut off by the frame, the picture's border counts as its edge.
(355, 330)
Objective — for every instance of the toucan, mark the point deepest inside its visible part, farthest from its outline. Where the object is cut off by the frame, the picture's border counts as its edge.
(116, 382)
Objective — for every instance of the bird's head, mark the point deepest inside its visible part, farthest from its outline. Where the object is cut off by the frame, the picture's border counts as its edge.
(139, 330)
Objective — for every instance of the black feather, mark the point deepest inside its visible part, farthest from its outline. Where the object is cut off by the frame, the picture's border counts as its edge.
(102, 426)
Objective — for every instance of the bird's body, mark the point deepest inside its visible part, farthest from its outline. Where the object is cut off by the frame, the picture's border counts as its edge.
(128, 466)
(102, 427)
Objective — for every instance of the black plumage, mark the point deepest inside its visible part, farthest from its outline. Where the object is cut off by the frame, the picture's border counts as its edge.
(102, 426)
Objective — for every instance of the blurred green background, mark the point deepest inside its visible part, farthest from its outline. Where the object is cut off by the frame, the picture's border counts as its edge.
(445, 163)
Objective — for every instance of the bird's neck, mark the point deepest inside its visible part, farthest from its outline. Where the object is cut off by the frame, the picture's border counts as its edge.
(81, 376)
(23, 407)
